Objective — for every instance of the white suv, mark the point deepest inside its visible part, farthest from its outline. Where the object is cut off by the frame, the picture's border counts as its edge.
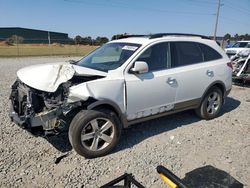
(123, 82)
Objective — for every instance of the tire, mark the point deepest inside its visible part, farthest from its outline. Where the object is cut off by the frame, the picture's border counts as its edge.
(211, 104)
(94, 133)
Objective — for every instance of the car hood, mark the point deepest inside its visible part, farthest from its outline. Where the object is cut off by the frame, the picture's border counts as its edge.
(47, 77)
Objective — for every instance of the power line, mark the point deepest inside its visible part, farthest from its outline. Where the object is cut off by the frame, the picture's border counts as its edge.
(117, 5)
(238, 8)
(232, 20)
(202, 2)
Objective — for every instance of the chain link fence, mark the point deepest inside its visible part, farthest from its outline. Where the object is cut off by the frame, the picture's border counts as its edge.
(17, 47)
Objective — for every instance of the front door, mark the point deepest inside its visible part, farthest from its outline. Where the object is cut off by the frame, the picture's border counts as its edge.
(152, 92)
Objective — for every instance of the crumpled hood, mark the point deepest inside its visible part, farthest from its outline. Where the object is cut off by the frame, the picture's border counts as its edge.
(47, 77)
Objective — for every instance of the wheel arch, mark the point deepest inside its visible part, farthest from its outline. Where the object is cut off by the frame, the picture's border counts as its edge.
(110, 105)
(218, 84)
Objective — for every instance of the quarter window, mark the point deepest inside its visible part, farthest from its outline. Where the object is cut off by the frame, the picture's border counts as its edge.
(156, 57)
(209, 53)
(185, 53)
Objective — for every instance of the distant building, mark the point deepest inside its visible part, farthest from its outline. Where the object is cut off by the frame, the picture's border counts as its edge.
(33, 35)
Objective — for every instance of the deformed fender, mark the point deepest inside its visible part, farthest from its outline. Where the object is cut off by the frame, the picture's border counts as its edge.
(78, 92)
(105, 91)
(105, 102)
(112, 104)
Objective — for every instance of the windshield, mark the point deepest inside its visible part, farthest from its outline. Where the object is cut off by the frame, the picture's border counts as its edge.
(240, 45)
(109, 56)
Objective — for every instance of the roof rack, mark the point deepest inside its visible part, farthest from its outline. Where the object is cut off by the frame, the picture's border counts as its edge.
(158, 35)
(128, 36)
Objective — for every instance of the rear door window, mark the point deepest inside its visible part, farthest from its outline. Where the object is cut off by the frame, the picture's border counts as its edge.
(185, 53)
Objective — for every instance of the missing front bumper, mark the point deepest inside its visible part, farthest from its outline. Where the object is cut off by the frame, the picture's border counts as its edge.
(47, 119)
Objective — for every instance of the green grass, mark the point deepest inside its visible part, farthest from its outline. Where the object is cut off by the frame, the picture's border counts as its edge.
(44, 50)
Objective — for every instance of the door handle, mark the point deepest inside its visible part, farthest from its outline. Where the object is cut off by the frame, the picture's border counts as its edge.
(210, 73)
(171, 81)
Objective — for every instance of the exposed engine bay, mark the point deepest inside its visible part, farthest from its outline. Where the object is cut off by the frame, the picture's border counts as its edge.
(31, 107)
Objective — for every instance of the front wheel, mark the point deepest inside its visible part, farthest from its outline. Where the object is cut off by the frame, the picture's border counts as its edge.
(211, 104)
(94, 133)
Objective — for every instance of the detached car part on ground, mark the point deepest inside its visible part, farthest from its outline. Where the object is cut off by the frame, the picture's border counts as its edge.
(124, 82)
(241, 67)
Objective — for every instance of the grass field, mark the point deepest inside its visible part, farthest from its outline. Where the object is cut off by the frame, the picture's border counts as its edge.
(44, 50)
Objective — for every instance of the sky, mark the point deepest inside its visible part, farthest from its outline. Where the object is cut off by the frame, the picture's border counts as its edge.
(109, 17)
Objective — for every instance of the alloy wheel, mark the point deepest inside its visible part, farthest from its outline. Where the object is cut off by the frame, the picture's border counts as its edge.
(97, 134)
(213, 103)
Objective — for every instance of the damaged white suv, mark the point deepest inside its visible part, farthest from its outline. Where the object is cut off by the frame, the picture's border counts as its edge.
(123, 82)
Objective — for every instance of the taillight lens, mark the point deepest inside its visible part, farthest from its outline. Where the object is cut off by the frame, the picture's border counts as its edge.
(230, 65)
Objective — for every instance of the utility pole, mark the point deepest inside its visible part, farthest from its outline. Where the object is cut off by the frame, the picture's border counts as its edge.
(51, 51)
(17, 46)
(217, 18)
(49, 37)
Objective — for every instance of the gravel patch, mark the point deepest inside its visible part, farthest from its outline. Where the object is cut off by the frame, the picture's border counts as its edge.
(181, 142)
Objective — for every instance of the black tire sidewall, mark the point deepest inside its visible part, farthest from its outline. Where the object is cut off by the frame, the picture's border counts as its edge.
(203, 109)
(80, 121)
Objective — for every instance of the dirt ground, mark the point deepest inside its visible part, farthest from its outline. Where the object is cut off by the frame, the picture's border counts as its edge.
(194, 149)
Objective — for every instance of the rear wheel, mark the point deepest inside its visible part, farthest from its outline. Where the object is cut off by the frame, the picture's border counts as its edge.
(94, 133)
(211, 104)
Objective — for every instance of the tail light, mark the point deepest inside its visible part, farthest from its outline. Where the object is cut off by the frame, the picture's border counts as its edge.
(230, 65)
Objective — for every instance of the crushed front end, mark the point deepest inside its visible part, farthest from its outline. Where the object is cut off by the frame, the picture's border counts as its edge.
(31, 108)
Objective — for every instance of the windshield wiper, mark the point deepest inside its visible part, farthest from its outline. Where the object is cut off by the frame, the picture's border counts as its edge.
(74, 62)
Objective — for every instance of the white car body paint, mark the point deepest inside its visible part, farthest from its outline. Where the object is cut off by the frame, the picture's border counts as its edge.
(104, 88)
(83, 71)
(139, 95)
(234, 51)
(47, 77)
(147, 94)
(181, 74)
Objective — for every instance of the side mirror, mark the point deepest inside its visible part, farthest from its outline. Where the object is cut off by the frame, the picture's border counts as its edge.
(139, 67)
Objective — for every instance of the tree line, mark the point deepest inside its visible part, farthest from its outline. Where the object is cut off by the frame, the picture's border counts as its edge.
(236, 37)
(15, 39)
(90, 41)
(98, 41)
(79, 40)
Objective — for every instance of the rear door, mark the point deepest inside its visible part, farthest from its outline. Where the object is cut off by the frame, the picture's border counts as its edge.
(195, 70)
